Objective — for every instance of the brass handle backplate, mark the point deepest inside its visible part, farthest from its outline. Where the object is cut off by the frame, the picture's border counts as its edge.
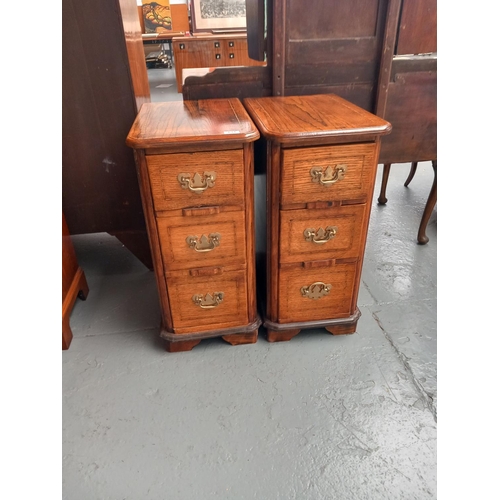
(316, 290)
(205, 243)
(330, 176)
(198, 183)
(208, 301)
(320, 236)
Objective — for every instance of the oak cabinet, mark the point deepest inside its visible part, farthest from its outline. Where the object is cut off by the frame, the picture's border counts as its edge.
(195, 167)
(322, 154)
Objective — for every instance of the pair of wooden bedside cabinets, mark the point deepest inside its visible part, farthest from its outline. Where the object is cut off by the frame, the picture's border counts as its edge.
(195, 163)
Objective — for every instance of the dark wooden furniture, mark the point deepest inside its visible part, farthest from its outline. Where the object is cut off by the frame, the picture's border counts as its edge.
(378, 54)
(104, 83)
(210, 51)
(74, 283)
(408, 93)
(195, 165)
(322, 154)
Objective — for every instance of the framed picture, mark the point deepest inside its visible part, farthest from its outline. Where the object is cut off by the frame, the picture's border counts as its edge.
(157, 16)
(218, 15)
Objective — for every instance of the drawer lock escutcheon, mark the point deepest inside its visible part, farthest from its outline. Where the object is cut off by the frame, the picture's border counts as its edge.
(198, 183)
(330, 176)
(316, 291)
(208, 301)
(204, 243)
(320, 236)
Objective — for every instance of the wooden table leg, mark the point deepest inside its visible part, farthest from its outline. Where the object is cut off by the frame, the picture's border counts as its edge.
(385, 177)
(412, 173)
(429, 207)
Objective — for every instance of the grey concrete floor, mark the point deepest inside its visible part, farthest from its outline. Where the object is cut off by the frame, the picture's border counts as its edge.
(320, 417)
(162, 85)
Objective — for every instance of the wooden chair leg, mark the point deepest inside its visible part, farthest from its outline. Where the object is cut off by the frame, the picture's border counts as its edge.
(429, 207)
(412, 173)
(385, 176)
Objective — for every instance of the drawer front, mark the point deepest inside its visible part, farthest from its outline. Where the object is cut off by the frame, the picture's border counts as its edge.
(209, 240)
(193, 179)
(328, 173)
(333, 233)
(205, 303)
(316, 294)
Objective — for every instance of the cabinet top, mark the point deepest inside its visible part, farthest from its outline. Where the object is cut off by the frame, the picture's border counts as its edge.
(210, 36)
(184, 123)
(309, 118)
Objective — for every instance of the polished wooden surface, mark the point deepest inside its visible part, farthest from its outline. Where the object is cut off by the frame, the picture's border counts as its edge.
(176, 141)
(294, 247)
(190, 123)
(295, 307)
(225, 191)
(312, 284)
(187, 317)
(314, 117)
(297, 182)
(104, 81)
(74, 283)
(229, 249)
(133, 40)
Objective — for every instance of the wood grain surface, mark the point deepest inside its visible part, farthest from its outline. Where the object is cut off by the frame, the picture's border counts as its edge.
(188, 317)
(190, 122)
(293, 306)
(176, 252)
(215, 200)
(227, 188)
(294, 118)
(298, 185)
(345, 244)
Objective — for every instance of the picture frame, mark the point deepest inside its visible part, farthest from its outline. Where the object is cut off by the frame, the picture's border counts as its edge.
(218, 16)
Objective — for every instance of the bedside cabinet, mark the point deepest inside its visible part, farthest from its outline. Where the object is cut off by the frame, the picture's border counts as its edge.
(195, 167)
(322, 154)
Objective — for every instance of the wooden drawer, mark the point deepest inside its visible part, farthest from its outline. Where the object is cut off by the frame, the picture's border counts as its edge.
(208, 313)
(296, 292)
(333, 233)
(193, 179)
(329, 173)
(209, 240)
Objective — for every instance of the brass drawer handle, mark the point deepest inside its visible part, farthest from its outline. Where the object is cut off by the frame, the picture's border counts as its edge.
(208, 301)
(320, 236)
(316, 290)
(330, 176)
(205, 243)
(198, 183)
